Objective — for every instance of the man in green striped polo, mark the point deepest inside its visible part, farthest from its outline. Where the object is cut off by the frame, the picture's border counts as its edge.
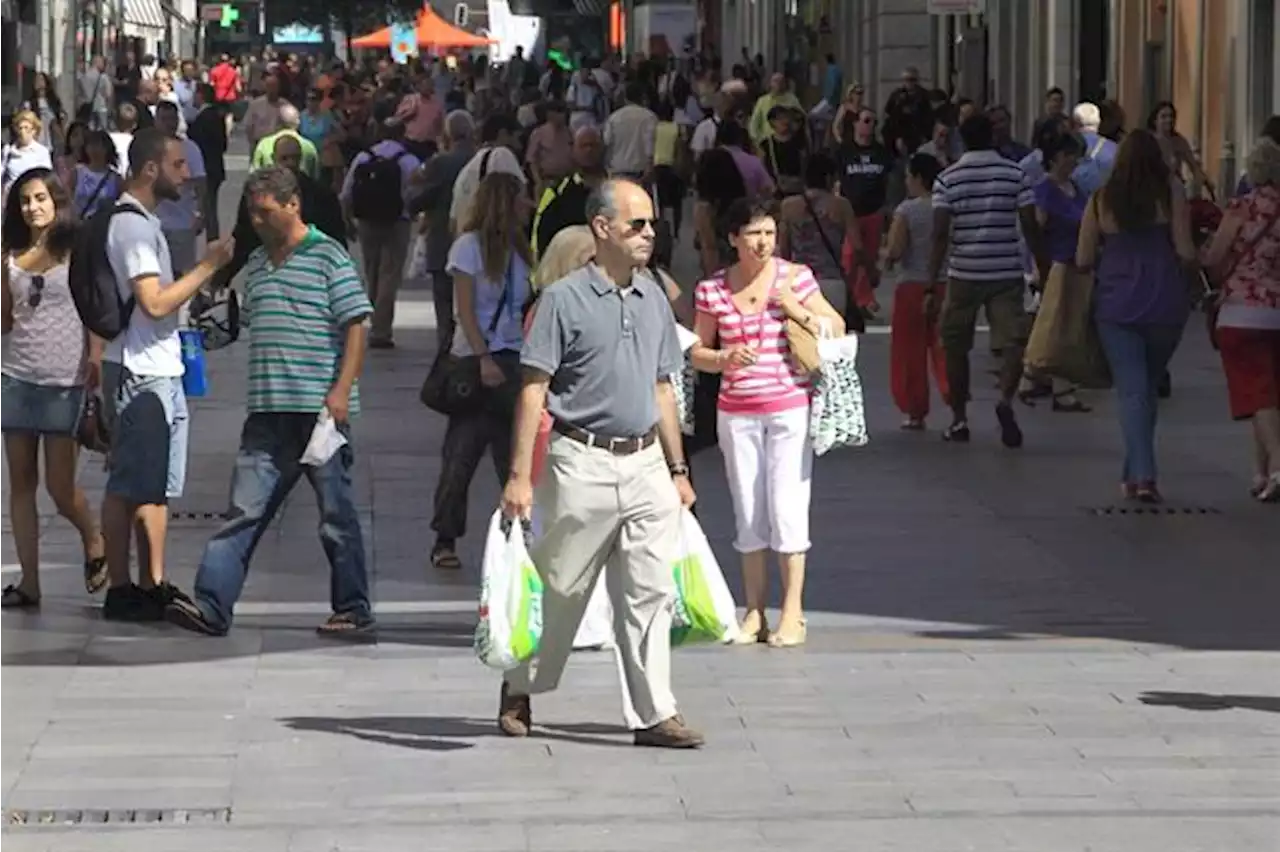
(306, 348)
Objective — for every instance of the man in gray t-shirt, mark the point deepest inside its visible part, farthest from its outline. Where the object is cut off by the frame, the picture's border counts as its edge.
(97, 91)
(598, 357)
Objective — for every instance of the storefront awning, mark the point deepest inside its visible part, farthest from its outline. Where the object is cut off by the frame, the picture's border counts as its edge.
(143, 17)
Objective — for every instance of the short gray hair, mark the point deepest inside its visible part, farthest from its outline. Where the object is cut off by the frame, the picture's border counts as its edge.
(289, 116)
(1263, 165)
(277, 182)
(603, 200)
(459, 125)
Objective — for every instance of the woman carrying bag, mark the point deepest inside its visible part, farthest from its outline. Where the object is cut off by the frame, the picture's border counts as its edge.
(1060, 206)
(763, 421)
(489, 264)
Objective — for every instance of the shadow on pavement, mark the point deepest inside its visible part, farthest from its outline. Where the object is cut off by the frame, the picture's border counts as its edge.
(1207, 701)
(444, 733)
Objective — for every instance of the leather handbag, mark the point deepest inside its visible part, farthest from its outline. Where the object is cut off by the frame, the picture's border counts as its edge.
(802, 341)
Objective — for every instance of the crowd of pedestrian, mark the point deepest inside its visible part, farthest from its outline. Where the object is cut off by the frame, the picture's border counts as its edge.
(542, 205)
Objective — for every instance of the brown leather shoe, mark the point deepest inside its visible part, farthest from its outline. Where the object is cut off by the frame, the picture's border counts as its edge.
(671, 733)
(515, 713)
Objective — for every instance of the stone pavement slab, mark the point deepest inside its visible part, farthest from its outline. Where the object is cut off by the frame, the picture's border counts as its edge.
(991, 666)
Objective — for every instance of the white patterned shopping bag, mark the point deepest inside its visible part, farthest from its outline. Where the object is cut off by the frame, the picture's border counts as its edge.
(836, 415)
(682, 382)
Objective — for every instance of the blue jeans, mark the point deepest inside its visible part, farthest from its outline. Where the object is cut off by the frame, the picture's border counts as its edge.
(265, 472)
(1139, 355)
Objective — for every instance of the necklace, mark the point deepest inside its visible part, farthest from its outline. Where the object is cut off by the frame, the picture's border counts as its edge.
(753, 299)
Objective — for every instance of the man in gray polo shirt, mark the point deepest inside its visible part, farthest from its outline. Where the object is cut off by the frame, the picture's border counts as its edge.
(597, 357)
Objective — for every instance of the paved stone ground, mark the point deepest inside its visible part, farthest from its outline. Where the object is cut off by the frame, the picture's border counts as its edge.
(991, 666)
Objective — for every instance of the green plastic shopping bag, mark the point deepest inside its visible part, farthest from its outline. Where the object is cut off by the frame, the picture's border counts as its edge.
(510, 626)
(704, 607)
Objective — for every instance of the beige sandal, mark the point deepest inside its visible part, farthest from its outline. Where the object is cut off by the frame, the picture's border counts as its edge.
(790, 638)
(753, 630)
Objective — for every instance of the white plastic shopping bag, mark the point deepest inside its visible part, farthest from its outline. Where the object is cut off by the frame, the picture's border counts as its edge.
(324, 442)
(682, 382)
(415, 263)
(704, 610)
(836, 414)
(596, 628)
(510, 626)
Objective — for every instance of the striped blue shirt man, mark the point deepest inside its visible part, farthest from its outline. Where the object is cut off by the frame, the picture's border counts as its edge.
(983, 192)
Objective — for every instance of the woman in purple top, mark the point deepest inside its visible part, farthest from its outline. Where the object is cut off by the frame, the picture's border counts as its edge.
(1060, 207)
(732, 136)
(1140, 225)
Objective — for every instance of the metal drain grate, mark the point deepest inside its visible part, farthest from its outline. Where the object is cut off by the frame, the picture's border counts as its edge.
(142, 816)
(1151, 511)
(188, 515)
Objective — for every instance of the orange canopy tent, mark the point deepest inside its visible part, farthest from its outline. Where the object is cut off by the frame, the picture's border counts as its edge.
(432, 31)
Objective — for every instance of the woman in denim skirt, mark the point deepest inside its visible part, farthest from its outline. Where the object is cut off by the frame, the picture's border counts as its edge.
(48, 362)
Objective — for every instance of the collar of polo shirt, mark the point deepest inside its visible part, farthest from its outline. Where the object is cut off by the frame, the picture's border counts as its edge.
(603, 288)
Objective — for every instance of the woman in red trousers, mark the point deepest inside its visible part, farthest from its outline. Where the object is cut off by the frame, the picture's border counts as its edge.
(914, 346)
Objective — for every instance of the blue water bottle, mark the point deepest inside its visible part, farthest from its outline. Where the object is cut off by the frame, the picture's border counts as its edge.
(194, 381)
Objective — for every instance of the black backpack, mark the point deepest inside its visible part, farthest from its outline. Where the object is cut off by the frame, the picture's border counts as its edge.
(375, 189)
(91, 280)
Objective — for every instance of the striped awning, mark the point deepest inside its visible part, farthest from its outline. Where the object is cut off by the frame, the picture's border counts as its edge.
(144, 15)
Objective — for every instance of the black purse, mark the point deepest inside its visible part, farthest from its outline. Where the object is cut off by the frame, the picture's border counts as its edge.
(453, 386)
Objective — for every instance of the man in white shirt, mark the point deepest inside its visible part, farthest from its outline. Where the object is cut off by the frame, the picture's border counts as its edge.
(142, 370)
(122, 136)
(629, 138)
(183, 218)
(495, 154)
(587, 99)
(704, 135)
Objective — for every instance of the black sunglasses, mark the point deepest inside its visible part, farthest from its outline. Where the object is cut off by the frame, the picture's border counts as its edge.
(37, 291)
(638, 224)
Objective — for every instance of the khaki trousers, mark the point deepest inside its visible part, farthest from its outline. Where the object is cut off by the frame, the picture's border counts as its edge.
(383, 249)
(619, 514)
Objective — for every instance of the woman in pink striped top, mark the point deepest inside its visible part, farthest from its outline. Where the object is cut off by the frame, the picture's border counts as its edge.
(763, 421)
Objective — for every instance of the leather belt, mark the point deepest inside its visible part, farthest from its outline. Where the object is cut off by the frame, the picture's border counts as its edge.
(617, 446)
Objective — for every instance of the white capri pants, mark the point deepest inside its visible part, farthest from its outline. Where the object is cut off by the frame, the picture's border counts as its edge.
(769, 462)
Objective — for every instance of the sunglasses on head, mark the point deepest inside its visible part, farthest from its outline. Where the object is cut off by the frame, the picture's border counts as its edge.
(37, 291)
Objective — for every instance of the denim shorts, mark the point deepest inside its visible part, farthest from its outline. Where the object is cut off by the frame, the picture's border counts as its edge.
(147, 418)
(39, 409)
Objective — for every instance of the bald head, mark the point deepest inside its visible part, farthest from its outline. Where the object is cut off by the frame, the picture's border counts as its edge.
(588, 150)
(287, 153)
(289, 116)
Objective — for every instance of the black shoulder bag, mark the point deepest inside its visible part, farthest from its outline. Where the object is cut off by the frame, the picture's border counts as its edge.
(453, 386)
(853, 318)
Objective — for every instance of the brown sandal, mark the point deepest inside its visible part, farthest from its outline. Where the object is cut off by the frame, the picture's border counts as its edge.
(446, 559)
(95, 574)
(344, 625)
